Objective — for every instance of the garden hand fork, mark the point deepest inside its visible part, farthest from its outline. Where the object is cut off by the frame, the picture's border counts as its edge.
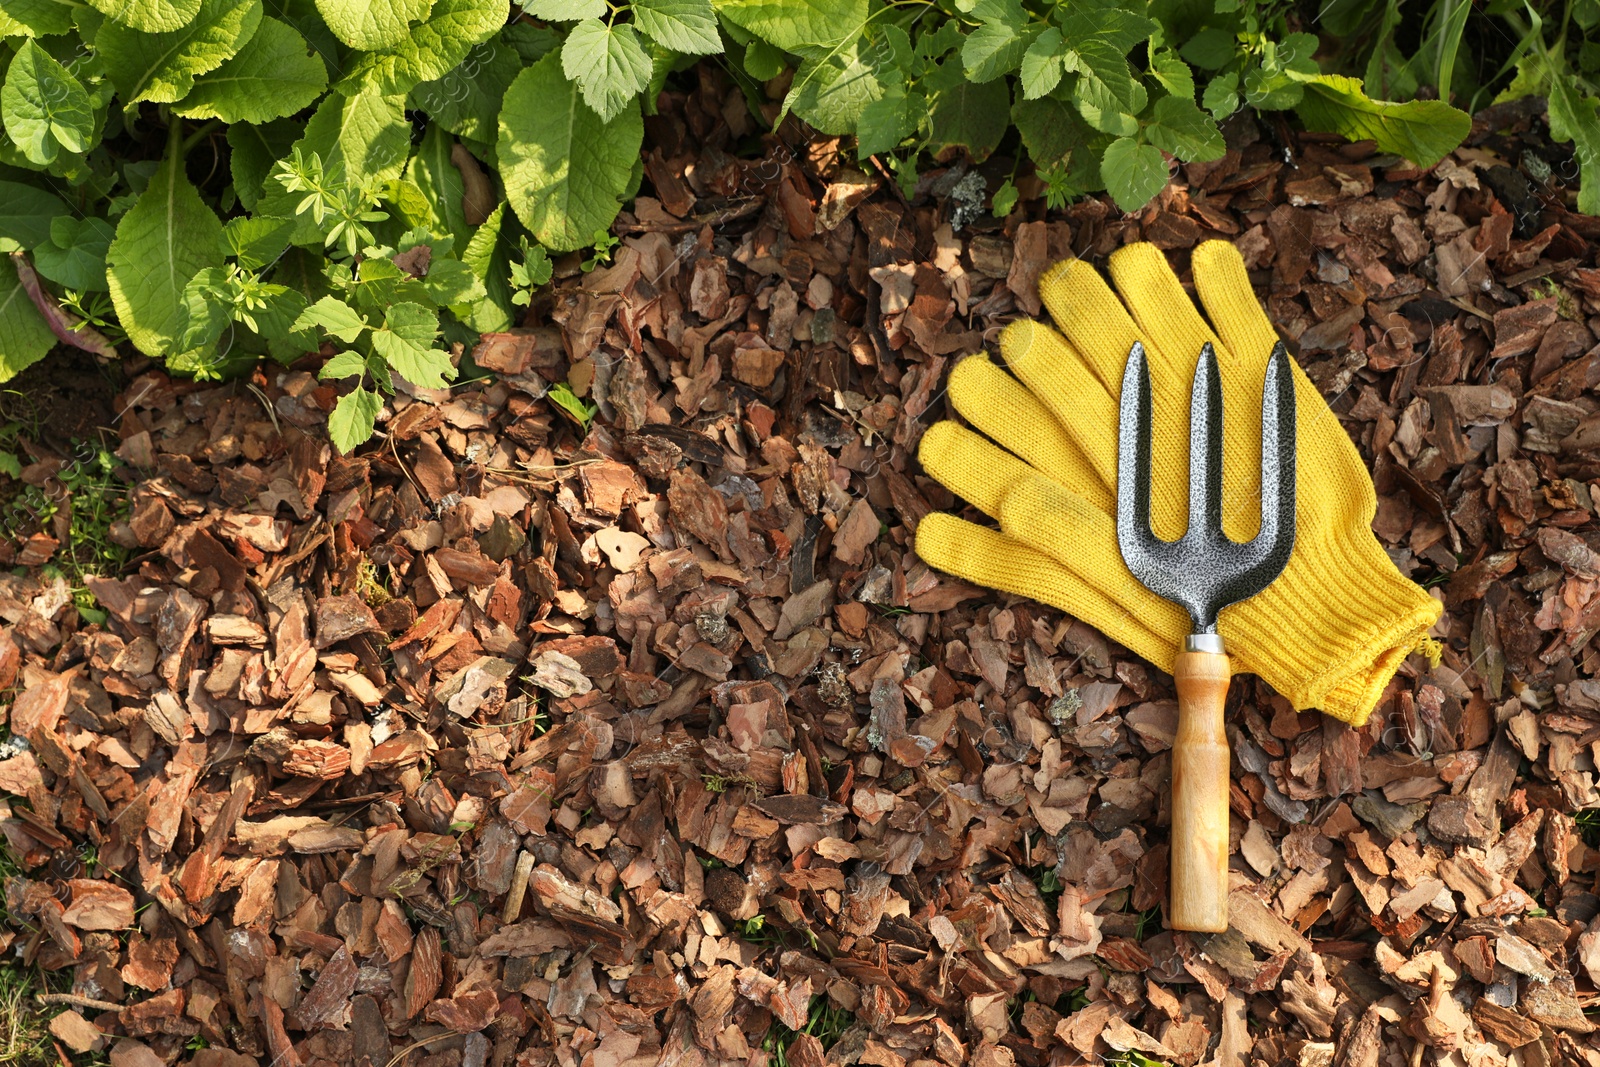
(1204, 572)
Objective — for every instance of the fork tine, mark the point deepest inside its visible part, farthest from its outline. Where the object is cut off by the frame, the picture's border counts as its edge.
(1205, 451)
(1277, 457)
(1134, 536)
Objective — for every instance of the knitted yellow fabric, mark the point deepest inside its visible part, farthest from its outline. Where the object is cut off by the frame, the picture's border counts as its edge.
(1328, 633)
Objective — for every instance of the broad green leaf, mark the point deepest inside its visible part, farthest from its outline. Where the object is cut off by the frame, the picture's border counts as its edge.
(207, 316)
(565, 10)
(272, 76)
(165, 239)
(564, 168)
(466, 101)
(353, 418)
(1108, 97)
(343, 365)
(994, 49)
(26, 213)
(439, 181)
(1173, 74)
(762, 61)
(1572, 117)
(529, 41)
(406, 341)
(488, 254)
(832, 91)
(34, 18)
(796, 25)
(969, 115)
(432, 49)
(252, 150)
(1183, 130)
(25, 338)
(451, 283)
(256, 240)
(1052, 131)
(161, 67)
(75, 255)
(275, 325)
(687, 26)
(46, 110)
(149, 16)
(1114, 28)
(369, 25)
(1133, 172)
(334, 316)
(608, 63)
(1422, 131)
(1221, 96)
(1041, 64)
(1209, 49)
(884, 123)
(1272, 90)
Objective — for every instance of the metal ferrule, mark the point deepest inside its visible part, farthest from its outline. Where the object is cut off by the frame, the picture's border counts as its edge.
(1211, 643)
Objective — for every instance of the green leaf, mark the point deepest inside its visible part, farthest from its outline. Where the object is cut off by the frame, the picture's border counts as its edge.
(1041, 64)
(1114, 28)
(831, 92)
(797, 25)
(272, 76)
(256, 241)
(165, 239)
(75, 255)
(34, 18)
(353, 418)
(1108, 97)
(488, 255)
(26, 213)
(466, 100)
(335, 316)
(687, 26)
(1183, 130)
(564, 168)
(207, 316)
(451, 283)
(1052, 131)
(608, 63)
(439, 181)
(161, 67)
(1209, 49)
(406, 341)
(565, 10)
(1422, 131)
(369, 25)
(1222, 96)
(46, 110)
(343, 365)
(433, 49)
(1004, 199)
(149, 16)
(1133, 172)
(25, 338)
(1173, 74)
(252, 151)
(884, 123)
(994, 49)
(968, 115)
(762, 61)
(1572, 117)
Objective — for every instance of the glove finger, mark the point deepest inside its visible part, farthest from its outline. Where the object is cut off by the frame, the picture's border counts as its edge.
(1091, 318)
(991, 558)
(1229, 299)
(1075, 447)
(971, 467)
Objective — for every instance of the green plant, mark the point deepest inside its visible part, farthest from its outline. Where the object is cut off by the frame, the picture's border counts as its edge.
(533, 271)
(571, 405)
(824, 1022)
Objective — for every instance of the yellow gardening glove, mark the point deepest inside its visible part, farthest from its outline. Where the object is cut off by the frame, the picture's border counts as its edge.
(1328, 633)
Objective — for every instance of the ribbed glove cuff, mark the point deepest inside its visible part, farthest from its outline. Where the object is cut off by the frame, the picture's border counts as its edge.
(1368, 619)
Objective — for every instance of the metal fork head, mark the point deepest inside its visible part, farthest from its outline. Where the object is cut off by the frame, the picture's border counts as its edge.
(1205, 570)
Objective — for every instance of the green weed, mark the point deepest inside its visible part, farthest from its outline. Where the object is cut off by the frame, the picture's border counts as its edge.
(824, 1022)
(572, 406)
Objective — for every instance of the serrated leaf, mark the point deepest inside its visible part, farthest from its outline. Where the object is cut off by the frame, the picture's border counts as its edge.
(687, 26)
(466, 100)
(796, 25)
(1133, 172)
(1053, 131)
(488, 255)
(272, 76)
(451, 283)
(565, 10)
(1182, 129)
(148, 16)
(1115, 28)
(343, 365)
(46, 110)
(275, 325)
(75, 255)
(369, 25)
(1041, 64)
(762, 61)
(25, 337)
(161, 67)
(1108, 97)
(1271, 90)
(26, 213)
(884, 123)
(334, 316)
(1422, 131)
(406, 341)
(1221, 97)
(1572, 117)
(994, 49)
(252, 150)
(564, 168)
(207, 316)
(608, 63)
(831, 92)
(352, 419)
(256, 241)
(433, 48)
(34, 18)
(165, 239)
(967, 115)
(1173, 74)
(10, 464)
(1210, 48)
(439, 181)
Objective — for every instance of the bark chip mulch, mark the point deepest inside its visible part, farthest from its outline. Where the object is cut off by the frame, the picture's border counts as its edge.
(508, 743)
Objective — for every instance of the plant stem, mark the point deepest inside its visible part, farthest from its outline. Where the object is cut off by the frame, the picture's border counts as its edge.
(199, 135)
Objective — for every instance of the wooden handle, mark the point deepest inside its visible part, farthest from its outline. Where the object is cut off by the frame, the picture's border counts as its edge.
(1199, 889)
